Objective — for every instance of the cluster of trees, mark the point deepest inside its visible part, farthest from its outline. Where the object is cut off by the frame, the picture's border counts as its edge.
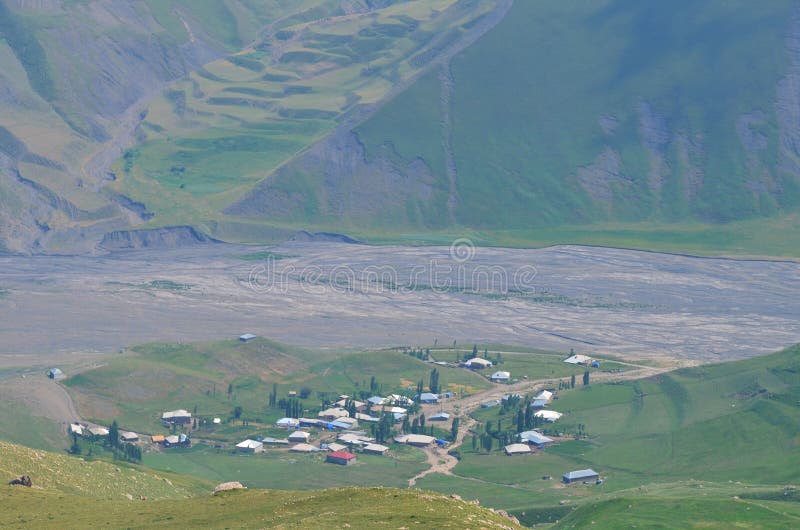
(419, 353)
(433, 383)
(293, 408)
(383, 430)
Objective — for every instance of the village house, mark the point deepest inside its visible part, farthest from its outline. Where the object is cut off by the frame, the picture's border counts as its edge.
(333, 446)
(179, 416)
(548, 415)
(344, 423)
(250, 446)
(360, 416)
(288, 423)
(476, 363)
(129, 437)
(375, 449)
(177, 440)
(299, 437)
(55, 373)
(440, 416)
(76, 429)
(157, 438)
(98, 431)
(342, 458)
(304, 448)
(417, 440)
(517, 449)
(428, 397)
(333, 414)
(578, 359)
(501, 377)
(535, 438)
(247, 337)
(580, 476)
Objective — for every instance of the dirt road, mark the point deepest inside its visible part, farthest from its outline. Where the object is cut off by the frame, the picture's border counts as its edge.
(441, 462)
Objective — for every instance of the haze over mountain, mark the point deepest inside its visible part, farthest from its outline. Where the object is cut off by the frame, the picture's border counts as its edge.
(251, 119)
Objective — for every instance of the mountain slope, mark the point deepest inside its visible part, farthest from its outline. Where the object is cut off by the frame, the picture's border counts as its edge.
(574, 113)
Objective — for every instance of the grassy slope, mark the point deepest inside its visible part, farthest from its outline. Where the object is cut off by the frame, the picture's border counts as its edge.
(174, 376)
(695, 437)
(538, 119)
(70, 475)
(337, 508)
(211, 138)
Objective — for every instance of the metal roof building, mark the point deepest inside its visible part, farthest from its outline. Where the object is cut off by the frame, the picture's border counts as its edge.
(535, 438)
(580, 475)
(517, 449)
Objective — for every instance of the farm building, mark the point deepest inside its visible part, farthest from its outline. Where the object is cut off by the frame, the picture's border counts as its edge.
(55, 373)
(376, 400)
(539, 403)
(180, 440)
(578, 359)
(395, 410)
(287, 423)
(477, 363)
(490, 404)
(299, 437)
(345, 423)
(250, 446)
(360, 405)
(397, 399)
(534, 438)
(580, 476)
(76, 428)
(304, 448)
(274, 441)
(342, 458)
(333, 414)
(399, 416)
(440, 416)
(360, 416)
(501, 377)
(545, 395)
(548, 415)
(98, 431)
(158, 439)
(129, 437)
(517, 449)
(336, 447)
(375, 449)
(427, 397)
(355, 439)
(418, 440)
(177, 416)
(247, 337)
(312, 422)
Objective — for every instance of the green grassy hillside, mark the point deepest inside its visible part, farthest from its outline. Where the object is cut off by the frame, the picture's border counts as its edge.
(69, 492)
(137, 386)
(598, 122)
(338, 508)
(695, 437)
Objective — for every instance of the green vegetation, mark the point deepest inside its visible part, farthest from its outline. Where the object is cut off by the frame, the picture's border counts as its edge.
(335, 508)
(697, 437)
(212, 379)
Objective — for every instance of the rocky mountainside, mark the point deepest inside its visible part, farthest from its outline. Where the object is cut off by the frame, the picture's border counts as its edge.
(250, 118)
(612, 111)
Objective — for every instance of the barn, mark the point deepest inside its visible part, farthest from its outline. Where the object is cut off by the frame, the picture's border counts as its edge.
(580, 476)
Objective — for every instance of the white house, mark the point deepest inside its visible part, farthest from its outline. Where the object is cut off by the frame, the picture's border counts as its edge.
(517, 449)
(288, 423)
(578, 359)
(548, 415)
(476, 363)
(501, 376)
(304, 448)
(250, 446)
(534, 438)
(544, 394)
